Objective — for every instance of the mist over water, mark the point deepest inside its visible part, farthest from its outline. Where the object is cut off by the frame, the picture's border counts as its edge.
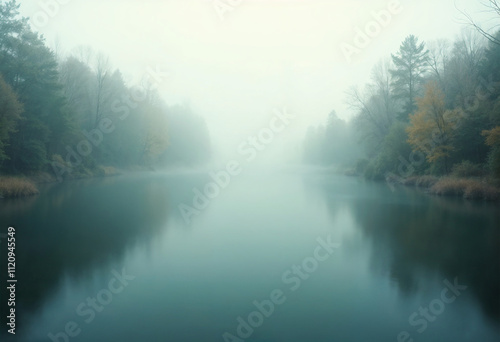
(382, 267)
(239, 170)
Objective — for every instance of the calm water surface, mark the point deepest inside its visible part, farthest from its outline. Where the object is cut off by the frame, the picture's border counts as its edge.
(113, 260)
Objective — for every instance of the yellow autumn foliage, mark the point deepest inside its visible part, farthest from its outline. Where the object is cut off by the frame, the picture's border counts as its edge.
(432, 126)
(492, 136)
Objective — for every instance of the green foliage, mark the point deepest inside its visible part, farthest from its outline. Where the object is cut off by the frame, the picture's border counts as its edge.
(494, 161)
(433, 127)
(467, 140)
(493, 140)
(460, 106)
(30, 69)
(65, 105)
(467, 169)
(393, 156)
(410, 65)
(490, 68)
(10, 114)
(375, 170)
(395, 148)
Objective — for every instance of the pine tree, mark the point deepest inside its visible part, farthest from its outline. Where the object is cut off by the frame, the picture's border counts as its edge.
(410, 65)
(10, 114)
(30, 68)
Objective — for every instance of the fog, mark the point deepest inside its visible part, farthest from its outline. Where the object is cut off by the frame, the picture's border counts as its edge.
(235, 66)
(249, 170)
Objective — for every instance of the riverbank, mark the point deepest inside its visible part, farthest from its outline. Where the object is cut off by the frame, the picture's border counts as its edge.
(13, 186)
(467, 188)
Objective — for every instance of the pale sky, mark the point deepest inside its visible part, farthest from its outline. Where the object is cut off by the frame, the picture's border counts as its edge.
(262, 56)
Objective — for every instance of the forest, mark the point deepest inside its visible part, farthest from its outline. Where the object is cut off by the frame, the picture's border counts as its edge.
(430, 110)
(237, 171)
(75, 116)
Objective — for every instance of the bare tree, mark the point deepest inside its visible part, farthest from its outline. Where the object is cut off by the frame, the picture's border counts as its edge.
(439, 57)
(84, 53)
(470, 47)
(464, 67)
(369, 119)
(102, 74)
(381, 87)
(103, 85)
(492, 6)
(76, 77)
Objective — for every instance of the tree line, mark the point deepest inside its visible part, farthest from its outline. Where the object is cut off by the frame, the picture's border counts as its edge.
(67, 116)
(429, 109)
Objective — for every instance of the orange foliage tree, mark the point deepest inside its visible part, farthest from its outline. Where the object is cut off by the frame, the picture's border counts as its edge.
(432, 127)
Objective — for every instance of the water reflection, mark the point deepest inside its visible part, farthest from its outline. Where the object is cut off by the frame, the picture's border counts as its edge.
(396, 245)
(417, 238)
(75, 228)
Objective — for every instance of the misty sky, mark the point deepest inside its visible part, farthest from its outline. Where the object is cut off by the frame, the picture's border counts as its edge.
(263, 56)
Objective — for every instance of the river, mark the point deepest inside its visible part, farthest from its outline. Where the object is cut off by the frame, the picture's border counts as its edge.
(287, 256)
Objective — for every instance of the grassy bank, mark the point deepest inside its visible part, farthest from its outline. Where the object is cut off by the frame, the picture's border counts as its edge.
(14, 186)
(468, 188)
(11, 187)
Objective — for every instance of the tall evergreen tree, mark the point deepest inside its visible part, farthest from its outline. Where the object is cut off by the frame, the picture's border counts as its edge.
(30, 68)
(10, 114)
(408, 76)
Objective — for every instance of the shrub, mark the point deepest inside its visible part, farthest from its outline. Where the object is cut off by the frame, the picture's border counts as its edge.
(426, 181)
(467, 169)
(393, 179)
(11, 187)
(494, 162)
(373, 171)
(468, 188)
(477, 190)
(410, 181)
(449, 187)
